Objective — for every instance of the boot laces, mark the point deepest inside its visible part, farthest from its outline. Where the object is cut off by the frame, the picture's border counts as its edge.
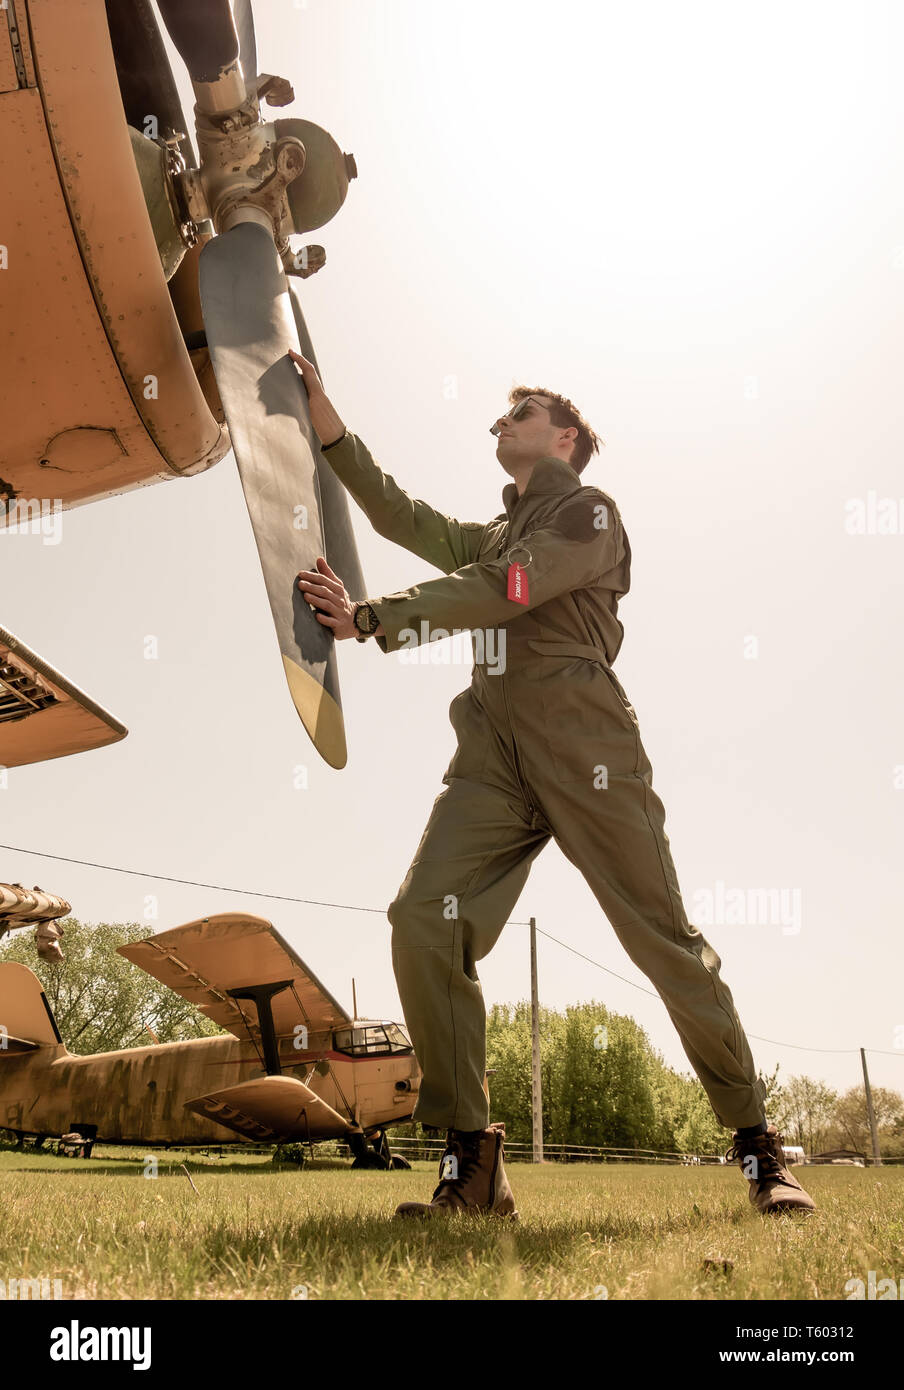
(762, 1147)
(468, 1157)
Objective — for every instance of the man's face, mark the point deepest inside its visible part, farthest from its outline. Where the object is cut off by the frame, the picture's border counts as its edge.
(531, 436)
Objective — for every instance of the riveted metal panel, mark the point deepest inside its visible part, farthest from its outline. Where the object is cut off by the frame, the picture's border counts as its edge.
(88, 131)
(9, 78)
(69, 427)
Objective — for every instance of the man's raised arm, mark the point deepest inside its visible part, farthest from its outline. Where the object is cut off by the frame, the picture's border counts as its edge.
(583, 543)
(440, 540)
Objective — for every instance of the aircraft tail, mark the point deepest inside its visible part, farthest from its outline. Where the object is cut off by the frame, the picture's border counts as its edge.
(26, 1018)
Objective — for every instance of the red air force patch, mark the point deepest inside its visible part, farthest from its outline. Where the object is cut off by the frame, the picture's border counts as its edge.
(517, 584)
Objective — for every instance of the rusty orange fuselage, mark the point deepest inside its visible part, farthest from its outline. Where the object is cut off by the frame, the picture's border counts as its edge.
(137, 1095)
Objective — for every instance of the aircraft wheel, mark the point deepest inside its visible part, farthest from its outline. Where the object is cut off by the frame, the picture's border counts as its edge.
(399, 1161)
(370, 1160)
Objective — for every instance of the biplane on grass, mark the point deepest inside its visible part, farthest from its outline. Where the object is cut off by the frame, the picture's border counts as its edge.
(292, 1065)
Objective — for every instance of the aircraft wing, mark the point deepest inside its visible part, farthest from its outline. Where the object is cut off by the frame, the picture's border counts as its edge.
(204, 959)
(42, 714)
(14, 1046)
(271, 1108)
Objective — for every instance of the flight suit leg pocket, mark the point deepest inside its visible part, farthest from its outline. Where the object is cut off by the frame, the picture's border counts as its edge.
(616, 685)
(589, 728)
(576, 753)
(472, 729)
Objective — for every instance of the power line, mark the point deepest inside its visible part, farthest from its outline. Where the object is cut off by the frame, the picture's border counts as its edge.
(190, 882)
(652, 992)
(352, 907)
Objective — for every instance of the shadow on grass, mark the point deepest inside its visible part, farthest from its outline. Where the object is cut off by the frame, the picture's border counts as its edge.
(168, 1168)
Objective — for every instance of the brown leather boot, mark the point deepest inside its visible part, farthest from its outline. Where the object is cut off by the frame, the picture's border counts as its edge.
(472, 1178)
(773, 1187)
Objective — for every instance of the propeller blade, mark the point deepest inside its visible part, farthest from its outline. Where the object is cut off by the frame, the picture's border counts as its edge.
(339, 538)
(244, 27)
(204, 35)
(250, 326)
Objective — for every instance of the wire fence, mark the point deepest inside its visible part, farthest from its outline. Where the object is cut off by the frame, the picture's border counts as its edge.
(411, 1147)
(519, 1151)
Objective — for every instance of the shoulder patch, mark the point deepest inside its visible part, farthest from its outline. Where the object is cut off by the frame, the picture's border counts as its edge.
(584, 515)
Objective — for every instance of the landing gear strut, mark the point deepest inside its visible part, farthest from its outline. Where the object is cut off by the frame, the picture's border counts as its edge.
(375, 1153)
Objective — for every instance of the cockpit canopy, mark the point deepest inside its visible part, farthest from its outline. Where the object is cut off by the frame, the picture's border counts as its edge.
(371, 1039)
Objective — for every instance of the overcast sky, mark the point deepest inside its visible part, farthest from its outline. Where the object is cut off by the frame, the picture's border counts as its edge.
(690, 220)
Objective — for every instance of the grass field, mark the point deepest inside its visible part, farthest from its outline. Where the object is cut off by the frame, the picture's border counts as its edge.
(586, 1231)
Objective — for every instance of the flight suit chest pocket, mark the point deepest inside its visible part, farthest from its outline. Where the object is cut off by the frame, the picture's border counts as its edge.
(472, 729)
(589, 727)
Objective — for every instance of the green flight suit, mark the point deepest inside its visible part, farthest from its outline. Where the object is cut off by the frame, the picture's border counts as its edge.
(549, 746)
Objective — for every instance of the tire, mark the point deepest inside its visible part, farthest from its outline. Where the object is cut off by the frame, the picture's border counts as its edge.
(370, 1159)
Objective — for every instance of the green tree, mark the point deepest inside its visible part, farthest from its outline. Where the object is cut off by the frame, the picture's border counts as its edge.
(689, 1123)
(603, 1083)
(509, 1054)
(101, 1001)
(773, 1090)
(851, 1120)
(804, 1111)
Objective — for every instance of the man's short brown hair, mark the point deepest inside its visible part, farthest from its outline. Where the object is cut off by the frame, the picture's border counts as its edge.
(563, 413)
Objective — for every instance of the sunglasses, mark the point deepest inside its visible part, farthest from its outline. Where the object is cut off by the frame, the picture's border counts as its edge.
(517, 410)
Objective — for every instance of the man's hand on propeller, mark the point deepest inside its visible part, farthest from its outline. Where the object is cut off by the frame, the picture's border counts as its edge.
(323, 589)
(326, 420)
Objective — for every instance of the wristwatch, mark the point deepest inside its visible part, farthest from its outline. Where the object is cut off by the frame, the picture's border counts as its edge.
(366, 621)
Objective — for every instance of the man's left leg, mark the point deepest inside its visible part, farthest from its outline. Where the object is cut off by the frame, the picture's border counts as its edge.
(616, 838)
(615, 834)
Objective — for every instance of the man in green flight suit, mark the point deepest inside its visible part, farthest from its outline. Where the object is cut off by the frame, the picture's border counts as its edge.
(548, 746)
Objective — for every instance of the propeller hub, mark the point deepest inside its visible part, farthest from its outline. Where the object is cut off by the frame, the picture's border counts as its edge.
(244, 174)
(250, 170)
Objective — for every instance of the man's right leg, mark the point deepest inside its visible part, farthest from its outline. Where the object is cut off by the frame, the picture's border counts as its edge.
(466, 877)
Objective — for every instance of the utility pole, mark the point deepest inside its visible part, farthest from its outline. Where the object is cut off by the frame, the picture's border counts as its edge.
(535, 1090)
(877, 1158)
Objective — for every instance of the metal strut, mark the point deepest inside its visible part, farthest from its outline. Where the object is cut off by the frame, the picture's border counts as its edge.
(261, 996)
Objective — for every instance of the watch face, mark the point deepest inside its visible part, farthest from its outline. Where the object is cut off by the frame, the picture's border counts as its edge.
(364, 619)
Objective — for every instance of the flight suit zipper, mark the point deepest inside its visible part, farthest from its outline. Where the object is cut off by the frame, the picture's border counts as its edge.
(531, 809)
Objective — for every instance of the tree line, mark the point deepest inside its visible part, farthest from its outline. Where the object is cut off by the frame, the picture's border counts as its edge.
(603, 1083)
